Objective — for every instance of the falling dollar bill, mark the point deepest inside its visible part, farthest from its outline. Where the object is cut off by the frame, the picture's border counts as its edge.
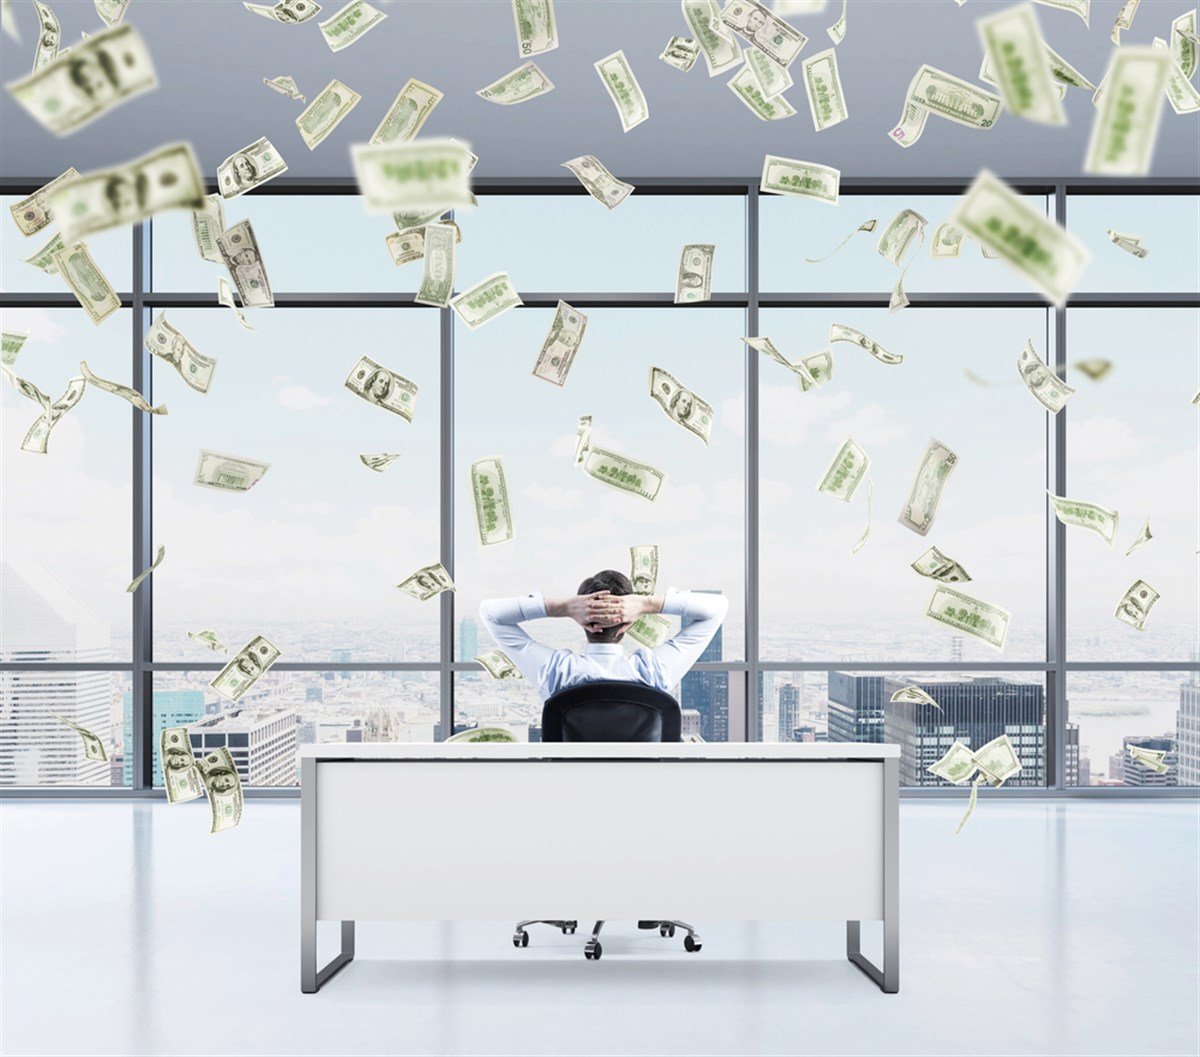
(228, 473)
(1125, 126)
(750, 91)
(933, 91)
(379, 462)
(1078, 514)
(181, 776)
(623, 89)
(810, 371)
(1185, 44)
(916, 696)
(1000, 219)
(960, 612)
(241, 673)
(1062, 73)
(845, 471)
(288, 12)
(486, 300)
(1078, 7)
(8, 24)
(998, 760)
(49, 36)
(285, 85)
(598, 181)
(382, 387)
(934, 564)
(617, 471)
(1129, 243)
(841, 332)
(681, 405)
(33, 213)
(1050, 390)
(537, 28)
(407, 219)
(837, 32)
(93, 747)
(1144, 536)
(210, 639)
(956, 766)
(167, 343)
(123, 391)
(947, 242)
(350, 24)
(37, 438)
(826, 100)
(903, 230)
(1095, 369)
(764, 30)
(693, 278)
(239, 250)
(74, 89)
(208, 222)
(408, 245)
(325, 113)
(44, 258)
(498, 665)
(1124, 20)
(681, 52)
(561, 344)
(249, 168)
(650, 629)
(1135, 604)
(493, 512)
(772, 78)
(408, 112)
(1152, 758)
(426, 582)
(424, 174)
(10, 347)
(974, 797)
(925, 496)
(721, 51)
(1013, 42)
(437, 280)
(643, 568)
(225, 297)
(87, 282)
(219, 774)
(804, 179)
(525, 82)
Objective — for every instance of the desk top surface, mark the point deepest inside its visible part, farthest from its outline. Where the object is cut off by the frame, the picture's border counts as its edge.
(802, 751)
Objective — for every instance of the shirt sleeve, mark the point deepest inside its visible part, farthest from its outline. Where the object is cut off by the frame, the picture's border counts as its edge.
(502, 617)
(700, 614)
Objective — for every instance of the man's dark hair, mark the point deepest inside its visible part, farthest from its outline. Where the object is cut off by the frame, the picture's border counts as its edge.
(618, 584)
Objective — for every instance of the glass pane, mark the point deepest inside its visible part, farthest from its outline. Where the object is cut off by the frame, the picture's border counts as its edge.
(310, 555)
(111, 250)
(286, 710)
(37, 749)
(1169, 228)
(65, 522)
(821, 601)
(634, 247)
(1108, 712)
(310, 243)
(849, 706)
(1131, 447)
(567, 525)
(794, 229)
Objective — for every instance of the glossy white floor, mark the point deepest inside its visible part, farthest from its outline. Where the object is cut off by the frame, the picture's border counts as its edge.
(1045, 928)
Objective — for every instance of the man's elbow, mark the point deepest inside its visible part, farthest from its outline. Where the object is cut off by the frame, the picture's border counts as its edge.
(722, 608)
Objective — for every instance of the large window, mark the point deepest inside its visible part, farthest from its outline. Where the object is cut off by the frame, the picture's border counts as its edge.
(821, 632)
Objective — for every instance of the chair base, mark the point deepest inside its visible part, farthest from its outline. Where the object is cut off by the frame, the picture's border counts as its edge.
(592, 949)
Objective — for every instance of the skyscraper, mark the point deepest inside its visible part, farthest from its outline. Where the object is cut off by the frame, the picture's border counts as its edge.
(789, 711)
(1187, 732)
(261, 741)
(855, 707)
(171, 708)
(708, 692)
(1135, 773)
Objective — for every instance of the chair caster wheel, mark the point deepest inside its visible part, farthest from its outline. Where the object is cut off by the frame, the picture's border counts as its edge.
(690, 944)
(666, 930)
(568, 930)
(520, 939)
(592, 952)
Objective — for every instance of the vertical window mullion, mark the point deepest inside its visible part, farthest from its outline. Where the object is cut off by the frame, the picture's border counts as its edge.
(142, 688)
(751, 721)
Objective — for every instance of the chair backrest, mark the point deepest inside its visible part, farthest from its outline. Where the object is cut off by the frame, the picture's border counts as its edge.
(611, 710)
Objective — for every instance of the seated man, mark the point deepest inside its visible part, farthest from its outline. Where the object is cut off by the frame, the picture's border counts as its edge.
(605, 607)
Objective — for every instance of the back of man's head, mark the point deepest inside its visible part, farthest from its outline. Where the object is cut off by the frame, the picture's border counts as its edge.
(614, 582)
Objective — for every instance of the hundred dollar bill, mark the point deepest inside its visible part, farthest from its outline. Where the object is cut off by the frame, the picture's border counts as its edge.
(350, 24)
(1000, 220)
(693, 278)
(721, 51)
(681, 405)
(425, 174)
(1124, 20)
(845, 471)
(619, 471)
(239, 250)
(407, 219)
(104, 71)
(219, 774)
(982, 620)
(498, 665)
(866, 225)
(650, 629)
(1185, 43)
(210, 639)
(537, 28)
(493, 512)
(10, 347)
(1144, 536)
(1050, 390)
(899, 298)
(245, 669)
(285, 85)
(33, 213)
(123, 391)
(207, 223)
(598, 181)
(37, 438)
(998, 760)
(437, 282)
(623, 89)
(826, 100)
(916, 696)
(382, 387)
(933, 91)
(1128, 113)
(93, 747)
(1078, 7)
(771, 77)
(643, 568)
(947, 242)
(1078, 514)
(841, 332)
(681, 52)
(1135, 604)
(167, 178)
(228, 473)
(427, 581)
(181, 776)
(289, 12)
(1152, 758)
(87, 282)
(379, 462)
(1181, 93)
(805, 179)
(748, 89)
(136, 582)
(250, 167)
(925, 495)
(896, 238)
(956, 766)
(801, 369)
(49, 36)
(561, 344)
(979, 778)
(934, 564)
(487, 299)
(408, 112)
(1095, 369)
(326, 112)
(525, 82)
(837, 32)
(1129, 243)
(225, 297)
(818, 369)
(1013, 42)
(1063, 74)
(764, 30)
(44, 258)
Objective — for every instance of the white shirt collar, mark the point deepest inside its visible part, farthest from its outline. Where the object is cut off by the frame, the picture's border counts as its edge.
(604, 648)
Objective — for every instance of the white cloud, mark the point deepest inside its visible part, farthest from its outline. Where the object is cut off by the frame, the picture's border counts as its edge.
(564, 446)
(1104, 440)
(872, 426)
(37, 321)
(786, 415)
(554, 498)
(300, 398)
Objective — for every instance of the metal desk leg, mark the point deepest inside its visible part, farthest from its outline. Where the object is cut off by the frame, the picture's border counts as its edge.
(311, 977)
(888, 979)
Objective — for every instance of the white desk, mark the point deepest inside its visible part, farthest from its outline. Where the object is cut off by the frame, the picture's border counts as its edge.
(742, 832)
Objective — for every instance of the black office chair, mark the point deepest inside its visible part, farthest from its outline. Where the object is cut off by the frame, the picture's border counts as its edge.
(610, 710)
